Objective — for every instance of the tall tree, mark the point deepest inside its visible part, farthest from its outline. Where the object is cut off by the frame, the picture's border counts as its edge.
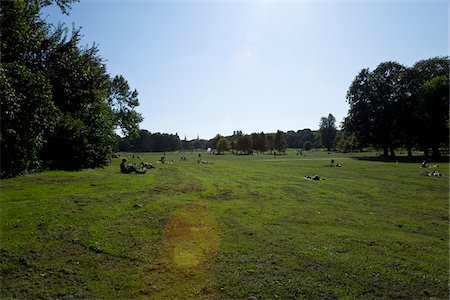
(279, 142)
(222, 145)
(123, 102)
(244, 144)
(374, 98)
(27, 113)
(327, 130)
(429, 110)
(54, 94)
(435, 110)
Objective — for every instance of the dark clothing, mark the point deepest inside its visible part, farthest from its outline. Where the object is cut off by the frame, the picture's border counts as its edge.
(128, 169)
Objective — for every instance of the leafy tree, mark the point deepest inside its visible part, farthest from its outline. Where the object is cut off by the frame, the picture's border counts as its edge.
(429, 112)
(394, 105)
(279, 142)
(304, 136)
(244, 144)
(215, 141)
(435, 109)
(222, 145)
(373, 98)
(27, 114)
(270, 142)
(327, 129)
(79, 86)
(307, 145)
(259, 141)
(123, 102)
(55, 109)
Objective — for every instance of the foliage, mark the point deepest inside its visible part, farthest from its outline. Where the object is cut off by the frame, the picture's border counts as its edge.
(434, 96)
(123, 103)
(279, 142)
(222, 145)
(244, 144)
(80, 87)
(327, 131)
(390, 107)
(307, 145)
(59, 105)
(259, 142)
(150, 142)
(27, 114)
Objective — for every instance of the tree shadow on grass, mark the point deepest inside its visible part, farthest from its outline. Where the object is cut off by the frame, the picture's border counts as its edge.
(404, 159)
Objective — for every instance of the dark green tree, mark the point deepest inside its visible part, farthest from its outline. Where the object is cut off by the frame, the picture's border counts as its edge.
(259, 141)
(430, 113)
(327, 130)
(123, 102)
(55, 109)
(222, 145)
(270, 145)
(27, 113)
(279, 142)
(84, 134)
(307, 145)
(244, 144)
(215, 141)
(374, 99)
(434, 105)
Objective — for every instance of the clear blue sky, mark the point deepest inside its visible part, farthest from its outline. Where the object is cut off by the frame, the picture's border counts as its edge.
(208, 67)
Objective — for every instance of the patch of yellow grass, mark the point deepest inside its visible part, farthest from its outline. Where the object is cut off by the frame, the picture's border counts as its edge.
(191, 237)
(190, 240)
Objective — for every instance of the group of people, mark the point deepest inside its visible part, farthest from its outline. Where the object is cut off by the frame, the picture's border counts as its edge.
(435, 173)
(127, 169)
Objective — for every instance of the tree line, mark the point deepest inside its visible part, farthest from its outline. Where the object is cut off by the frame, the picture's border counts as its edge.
(59, 106)
(395, 106)
(237, 143)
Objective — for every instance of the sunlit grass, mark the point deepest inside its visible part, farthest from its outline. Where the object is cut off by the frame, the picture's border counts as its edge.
(241, 227)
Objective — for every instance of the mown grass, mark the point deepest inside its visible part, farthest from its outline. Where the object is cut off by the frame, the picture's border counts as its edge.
(243, 227)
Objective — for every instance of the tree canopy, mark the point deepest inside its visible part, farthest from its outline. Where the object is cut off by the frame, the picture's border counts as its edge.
(399, 106)
(327, 131)
(60, 107)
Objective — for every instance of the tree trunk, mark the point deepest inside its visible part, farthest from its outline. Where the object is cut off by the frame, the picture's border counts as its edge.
(385, 151)
(435, 150)
(409, 145)
(392, 154)
(409, 151)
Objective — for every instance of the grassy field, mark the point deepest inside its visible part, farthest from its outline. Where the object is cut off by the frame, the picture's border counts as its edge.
(242, 227)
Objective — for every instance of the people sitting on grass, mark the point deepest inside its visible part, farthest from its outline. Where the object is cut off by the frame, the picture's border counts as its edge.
(333, 164)
(130, 168)
(424, 164)
(162, 159)
(147, 165)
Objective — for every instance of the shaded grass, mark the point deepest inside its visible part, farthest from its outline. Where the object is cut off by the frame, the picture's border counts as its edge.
(243, 227)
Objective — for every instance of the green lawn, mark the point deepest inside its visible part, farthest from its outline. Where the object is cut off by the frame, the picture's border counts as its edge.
(242, 227)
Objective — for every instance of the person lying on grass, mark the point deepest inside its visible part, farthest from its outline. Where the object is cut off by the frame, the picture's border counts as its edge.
(147, 165)
(313, 177)
(128, 169)
(432, 174)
